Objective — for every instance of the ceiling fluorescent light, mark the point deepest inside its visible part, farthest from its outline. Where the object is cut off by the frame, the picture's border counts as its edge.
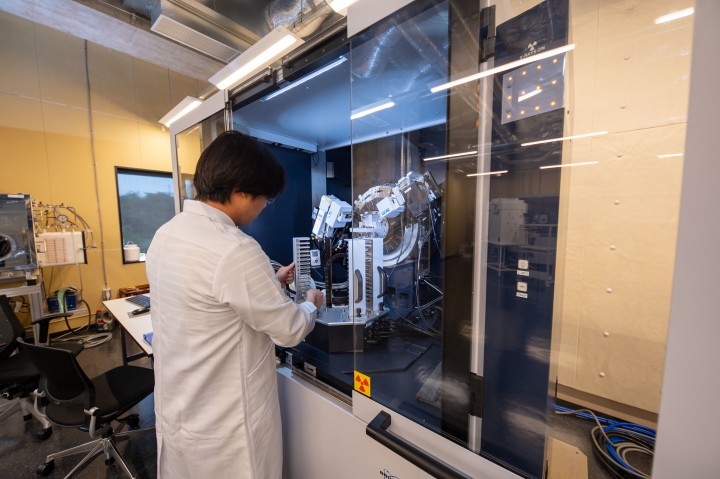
(574, 137)
(675, 16)
(341, 6)
(447, 157)
(502, 68)
(302, 80)
(262, 54)
(369, 110)
(569, 164)
(188, 104)
(671, 155)
(488, 173)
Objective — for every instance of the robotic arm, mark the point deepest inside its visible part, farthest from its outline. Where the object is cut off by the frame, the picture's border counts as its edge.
(331, 214)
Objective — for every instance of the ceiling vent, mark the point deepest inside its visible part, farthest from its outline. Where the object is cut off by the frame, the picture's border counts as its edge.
(200, 28)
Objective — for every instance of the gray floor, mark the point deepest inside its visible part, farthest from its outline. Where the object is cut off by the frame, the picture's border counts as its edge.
(21, 451)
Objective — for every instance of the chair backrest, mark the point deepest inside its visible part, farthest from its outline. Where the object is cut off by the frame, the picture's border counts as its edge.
(10, 328)
(64, 383)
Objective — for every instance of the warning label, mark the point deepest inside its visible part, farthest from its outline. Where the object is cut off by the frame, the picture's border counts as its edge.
(362, 383)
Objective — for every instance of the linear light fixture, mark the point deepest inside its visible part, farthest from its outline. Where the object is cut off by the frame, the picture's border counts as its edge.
(674, 16)
(502, 68)
(369, 110)
(569, 164)
(341, 6)
(671, 155)
(574, 137)
(263, 53)
(488, 173)
(447, 157)
(302, 80)
(188, 104)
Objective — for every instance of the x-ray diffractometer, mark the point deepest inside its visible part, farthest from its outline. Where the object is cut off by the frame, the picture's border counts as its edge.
(428, 195)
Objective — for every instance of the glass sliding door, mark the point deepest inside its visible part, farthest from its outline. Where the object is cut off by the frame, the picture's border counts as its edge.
(516, 183)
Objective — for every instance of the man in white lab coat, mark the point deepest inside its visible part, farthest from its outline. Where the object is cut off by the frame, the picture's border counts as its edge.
(218, 309)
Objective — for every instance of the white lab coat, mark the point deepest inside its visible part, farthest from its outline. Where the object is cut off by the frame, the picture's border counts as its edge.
(217, 309)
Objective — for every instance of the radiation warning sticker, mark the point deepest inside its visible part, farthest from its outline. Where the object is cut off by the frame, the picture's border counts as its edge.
(362, 383)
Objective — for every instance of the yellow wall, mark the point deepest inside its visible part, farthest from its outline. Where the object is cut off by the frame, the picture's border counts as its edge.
(45, 140)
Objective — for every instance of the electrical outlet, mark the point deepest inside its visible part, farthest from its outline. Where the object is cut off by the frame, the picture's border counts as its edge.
(106, 294)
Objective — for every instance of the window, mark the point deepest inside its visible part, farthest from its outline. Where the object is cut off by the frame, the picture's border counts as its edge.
(145, 202)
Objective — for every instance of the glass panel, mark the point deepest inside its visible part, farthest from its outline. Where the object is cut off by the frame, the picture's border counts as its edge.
(401, 209)
(524, 220)
(190, 143)
(498, 247)
(17, 246)
(145, 202)
(305, 121)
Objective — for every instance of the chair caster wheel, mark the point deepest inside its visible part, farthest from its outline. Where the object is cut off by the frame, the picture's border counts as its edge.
(27, 417)
(110, 462)
(46, 468)
(44, 434)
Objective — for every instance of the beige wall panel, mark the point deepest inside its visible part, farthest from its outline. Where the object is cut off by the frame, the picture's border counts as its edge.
(620, 233)
(154, 147)
(90, 278)
(630, 172)
(632, 206)
(188, 150)
(581, 66)
(70, 159)
(72, 183)
(642, 68)
(122, 275)
(117, 143)
(634, 276)
(22, 147)
(111, 82)
(118, 274)
(20, 113)
(116, 140)
(61, 67)
(45, 148)
(182, 86)
(152, 91)
(571, 313)
(628, 377)
(575, 182)
(17, 57)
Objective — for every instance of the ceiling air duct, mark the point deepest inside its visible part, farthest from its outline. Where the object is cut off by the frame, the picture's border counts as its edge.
(201, 28)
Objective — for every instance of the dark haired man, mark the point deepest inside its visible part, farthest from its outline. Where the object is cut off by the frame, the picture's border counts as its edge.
(218, 309)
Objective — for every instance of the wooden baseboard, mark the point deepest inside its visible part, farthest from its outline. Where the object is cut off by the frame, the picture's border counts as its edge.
(607, 406)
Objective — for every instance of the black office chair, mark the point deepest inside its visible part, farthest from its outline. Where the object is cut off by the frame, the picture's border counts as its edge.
(18, 376)
(43, 327)
(74, 400)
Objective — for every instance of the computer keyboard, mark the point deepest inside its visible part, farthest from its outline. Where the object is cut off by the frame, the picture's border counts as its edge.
(141, 300)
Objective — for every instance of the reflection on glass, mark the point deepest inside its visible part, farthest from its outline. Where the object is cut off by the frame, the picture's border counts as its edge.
(521, 278)
(190, 143)
(499, 247)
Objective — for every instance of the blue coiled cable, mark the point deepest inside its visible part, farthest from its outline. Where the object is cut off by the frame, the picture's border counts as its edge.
(613, 440)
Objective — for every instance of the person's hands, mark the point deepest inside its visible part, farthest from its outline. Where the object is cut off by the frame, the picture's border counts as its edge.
(316, 297)
(286, 274)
